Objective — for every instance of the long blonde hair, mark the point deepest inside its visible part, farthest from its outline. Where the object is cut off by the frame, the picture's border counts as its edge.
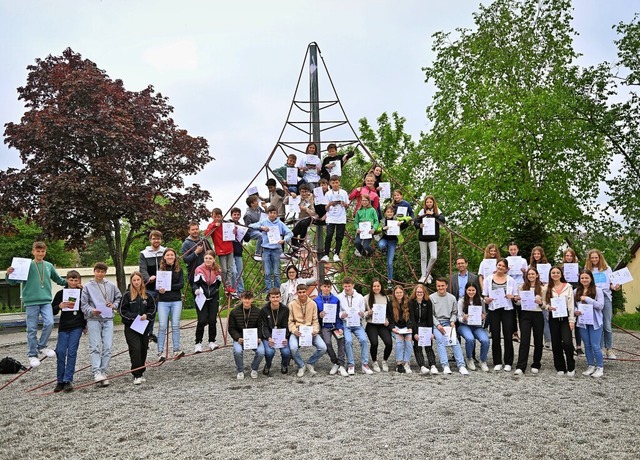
(133, 291)
(602, 264)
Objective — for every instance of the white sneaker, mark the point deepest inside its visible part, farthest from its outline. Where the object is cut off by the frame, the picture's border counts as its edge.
(598, 373)
(334, 369)
(571, 374)
(610, 354)
(507, 368)
(434, 370)
(484, 367)
(376, 366)
(463, 371)
(560, 373)
(429, 279)
(366, 369)
(197, 348)
(311, 369)
(213, 346)
(471, 365)
(34, 361)
(385, 366)
(422, 279)
(446, 370)
(325, 259)
(590, 370)
(137, 381)
(357, 253)
(518, 372)
(105, 382)
(351, 370)
(424, 370)
(254, 374)
(336, 258)
(48, 352)
(534, 370)
(343, 371)
(301, 371)
(257, 257)
(240, 376)
(497, 367)
(407, 368)
(99, 377)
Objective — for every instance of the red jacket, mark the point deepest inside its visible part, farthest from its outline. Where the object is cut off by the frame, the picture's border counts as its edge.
(222, 247)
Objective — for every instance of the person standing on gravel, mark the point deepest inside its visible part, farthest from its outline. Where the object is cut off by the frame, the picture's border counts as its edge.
(303, 313)
(245, 325)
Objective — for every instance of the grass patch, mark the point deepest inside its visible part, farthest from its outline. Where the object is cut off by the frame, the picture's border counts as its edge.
(630, 321)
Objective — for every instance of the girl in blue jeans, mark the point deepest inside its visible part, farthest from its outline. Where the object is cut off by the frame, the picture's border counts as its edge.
(170, 304)
(470, 332)
(389, 242)
(400, 325)
(587, 293)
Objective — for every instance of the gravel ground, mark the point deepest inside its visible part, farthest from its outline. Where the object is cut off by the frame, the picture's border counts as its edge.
(195, 408)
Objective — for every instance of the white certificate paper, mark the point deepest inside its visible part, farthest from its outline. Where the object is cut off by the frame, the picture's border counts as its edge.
(488, 267)
(292, 176)
(499, 298)
(474, 315)
(393, 227)
(424, 336)
(571, 272)
(586, 318)
(278, 335)
(240, 233)
(139, 325)
(385, 191)
(402, 211)
(353, 320)
(105, 311)
(293, 205)
(227, 231)
(71, 295)
(312, 160)
(379, 313)
(621, 276)
(200, 300)
(450, 336)
(365, 228)
(528, 300)
(319, 196)
(20, 268)
(330, 311)
(252, 190)
(337, 168)
(560, 305)
(306, 339)
(250, 338)
(543, 271)
(163, 280)
(428, 226)
(274, 235)
(515, 266)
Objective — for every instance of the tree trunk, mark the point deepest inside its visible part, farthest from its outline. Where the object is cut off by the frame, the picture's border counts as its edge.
(118, 258)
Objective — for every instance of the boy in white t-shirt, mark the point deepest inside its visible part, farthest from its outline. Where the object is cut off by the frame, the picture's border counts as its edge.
(336, 217)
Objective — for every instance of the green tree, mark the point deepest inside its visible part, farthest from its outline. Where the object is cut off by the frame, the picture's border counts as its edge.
(18, 243)
(513, 137)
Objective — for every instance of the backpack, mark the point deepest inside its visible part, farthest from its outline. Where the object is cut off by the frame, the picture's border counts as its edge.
(10, 365)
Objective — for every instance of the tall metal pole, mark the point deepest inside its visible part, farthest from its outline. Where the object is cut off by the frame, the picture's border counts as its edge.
(315, 134)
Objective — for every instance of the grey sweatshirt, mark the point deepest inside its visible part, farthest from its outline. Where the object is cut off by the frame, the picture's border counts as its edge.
(445, 308)
(92, 294)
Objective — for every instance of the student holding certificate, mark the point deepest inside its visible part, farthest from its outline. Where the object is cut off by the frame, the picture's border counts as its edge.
(421, 316)
(471, 316)
(400, 324)
(303, 312)
(538, 257)
(428, 217)
(571, 273)
(274, 318)
(602, 276)
(245, 325)
(170, 304)
(391, 227)
(588, 295)
(498, 291)
(207, 279)
(531, 293)
(561, 326)
(137, 305)
(487, 266)
(352, 309)
(366, 214)
(375, 329)
(332, 327)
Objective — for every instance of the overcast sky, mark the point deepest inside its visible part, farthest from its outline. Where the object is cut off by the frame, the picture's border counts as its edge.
(230, 68)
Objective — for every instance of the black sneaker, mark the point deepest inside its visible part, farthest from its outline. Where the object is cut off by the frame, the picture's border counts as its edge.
(266, 370)
(284, 369)
(400, 369)
(68, 387)
(59, 387)
(153, 338)
(579, 351)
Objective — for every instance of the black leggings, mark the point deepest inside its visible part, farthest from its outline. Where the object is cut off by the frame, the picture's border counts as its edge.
(502, 317)
(207, 316)
(373, 331)
(339, 230)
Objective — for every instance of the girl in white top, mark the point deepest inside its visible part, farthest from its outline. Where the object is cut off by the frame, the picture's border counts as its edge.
(500, 305)
(561, 326)
(288, 288)
(490, 252)
(587, 293)
(517, 269)
(531, 321)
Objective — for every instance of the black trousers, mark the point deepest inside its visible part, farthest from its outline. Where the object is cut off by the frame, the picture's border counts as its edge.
(530, 321)
(417, 351)
(373, 332)
(138, 345)
(300, 231)
(504, 318)
(339, 231)
(208, 316)
(561, 344)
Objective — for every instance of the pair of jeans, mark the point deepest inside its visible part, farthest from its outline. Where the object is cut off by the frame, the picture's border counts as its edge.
(530, 321)
(358, 331)
(138, 345)
(501, 317)
(364, 245)
(318, 343)
(441, 341)
(340, 358)
(592, 338)
(100, 343)
(67, 352)
(270, 352)
(470, 335)
(607, 315)
(238, 356)
(427, 261)
(271, 265)
(256, 235)
(338, 229)
(164, 310)
(373, 332)
(561, 344)
(33, 312)
(207, 316)
(238, 283)
(390, 247)
(228, 269)
(546, 332)
(403, 347)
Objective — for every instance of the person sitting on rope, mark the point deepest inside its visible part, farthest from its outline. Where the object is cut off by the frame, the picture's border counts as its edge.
(252, 215)
(306, 215)
(363, 237)
(309, 166)
(329, 163)
(281, 173)
(275, 198)
(391, 226)
(399, 202)
(321, 209)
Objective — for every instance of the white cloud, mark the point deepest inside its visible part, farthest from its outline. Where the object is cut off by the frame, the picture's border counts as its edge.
(177, 55)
